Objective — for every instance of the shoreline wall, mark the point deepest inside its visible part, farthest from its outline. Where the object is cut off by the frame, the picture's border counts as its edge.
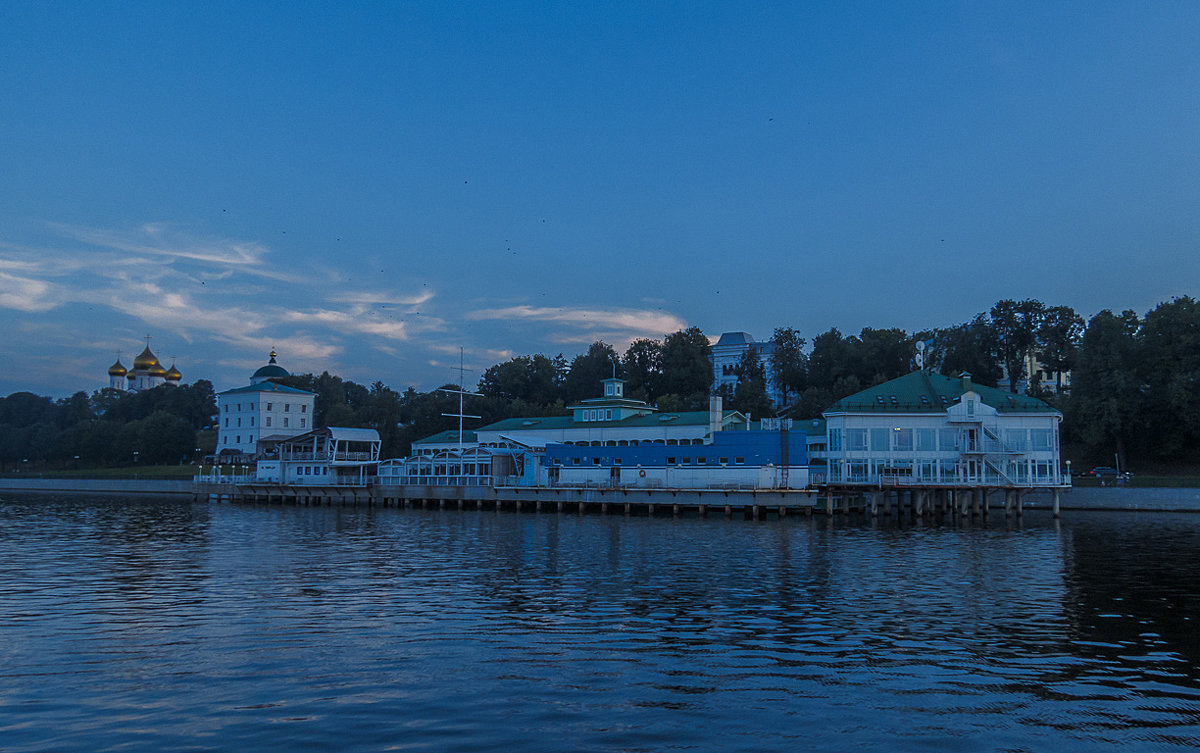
(1151, 499)
(138, 487)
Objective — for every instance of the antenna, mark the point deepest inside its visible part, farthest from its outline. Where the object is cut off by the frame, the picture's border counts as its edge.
(460, 415)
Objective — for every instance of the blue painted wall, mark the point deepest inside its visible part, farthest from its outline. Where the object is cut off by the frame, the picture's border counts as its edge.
(755, 448)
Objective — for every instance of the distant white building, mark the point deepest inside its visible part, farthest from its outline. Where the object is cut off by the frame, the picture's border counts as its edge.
(262, 410)
(728, 352)
(930, 430)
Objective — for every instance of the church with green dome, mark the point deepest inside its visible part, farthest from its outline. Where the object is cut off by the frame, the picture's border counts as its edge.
(262, 413)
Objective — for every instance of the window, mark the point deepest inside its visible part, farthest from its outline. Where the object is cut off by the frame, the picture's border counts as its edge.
(239, 422)
(239, 439)
(304, 409)
(835, 439)
(608, 414)
(724, 461)
(239, 406)
(739, 460)
(269, 406)
(1016, 439)
(685, 461)
(670, 461)
(574, 461)
(226, 422)
(285, 423)
(558, 461)
(616, 461)
(595, 461)
(287, 407)
(250, 438)
(926, 439)
(947, 440)
(1040, 439)
(970, 407)
(252, 420)
(881, 440)
(226, 407)
(856, 439)
(302, 422)
(268, 420)
(902, 439)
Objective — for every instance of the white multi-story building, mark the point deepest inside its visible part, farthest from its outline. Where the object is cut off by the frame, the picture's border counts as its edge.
(728, 352)
(262, 410)
(934, 431)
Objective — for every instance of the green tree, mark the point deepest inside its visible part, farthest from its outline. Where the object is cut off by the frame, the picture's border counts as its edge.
(1106, 397)
(1058, 336)
(750, 394)
(970, 348)
(587, 370)
(788, 364)
(642, 367)
(687, 369)
(1168, 366)
(1015, 325)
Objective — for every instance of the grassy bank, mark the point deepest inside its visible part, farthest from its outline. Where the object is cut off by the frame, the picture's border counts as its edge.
(149, 472)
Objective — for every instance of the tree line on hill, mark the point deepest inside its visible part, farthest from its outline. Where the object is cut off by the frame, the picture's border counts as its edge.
(1135, 387)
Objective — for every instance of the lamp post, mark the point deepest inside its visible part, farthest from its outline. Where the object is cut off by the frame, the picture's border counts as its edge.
(76, 462)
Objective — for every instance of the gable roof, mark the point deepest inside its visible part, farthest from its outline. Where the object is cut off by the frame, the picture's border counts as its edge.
(552, 423)
(266, 387)
(920, 392)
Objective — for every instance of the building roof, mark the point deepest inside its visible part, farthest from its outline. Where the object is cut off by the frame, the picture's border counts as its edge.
(266, 387)
(735, 338)
(445, 437)
(920, 392)
(550, 423)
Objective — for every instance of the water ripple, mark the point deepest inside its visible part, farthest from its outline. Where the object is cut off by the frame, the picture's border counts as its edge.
(129, 625)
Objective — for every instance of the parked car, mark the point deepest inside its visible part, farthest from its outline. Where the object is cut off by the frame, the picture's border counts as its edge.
(1103, 471)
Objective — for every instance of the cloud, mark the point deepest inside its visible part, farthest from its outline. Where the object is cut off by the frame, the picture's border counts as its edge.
(636, 322)
(356, 320)
(383, 298)
(25, 294)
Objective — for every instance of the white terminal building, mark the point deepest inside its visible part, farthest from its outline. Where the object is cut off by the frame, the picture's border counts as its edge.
(262, 411)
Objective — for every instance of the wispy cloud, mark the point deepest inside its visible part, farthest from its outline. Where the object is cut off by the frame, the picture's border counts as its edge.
(641, 322)
(25, 294)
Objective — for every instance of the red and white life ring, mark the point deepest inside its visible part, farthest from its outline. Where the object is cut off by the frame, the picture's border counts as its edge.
(642, 473)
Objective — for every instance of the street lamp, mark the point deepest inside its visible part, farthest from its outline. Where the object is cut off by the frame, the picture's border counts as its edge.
(76, 462)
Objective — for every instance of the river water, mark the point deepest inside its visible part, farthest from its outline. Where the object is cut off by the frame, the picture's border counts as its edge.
(131, 625)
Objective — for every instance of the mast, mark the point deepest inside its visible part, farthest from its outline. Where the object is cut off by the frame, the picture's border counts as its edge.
(462, 393)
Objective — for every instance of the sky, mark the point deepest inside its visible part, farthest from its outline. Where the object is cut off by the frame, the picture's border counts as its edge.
(369, 187)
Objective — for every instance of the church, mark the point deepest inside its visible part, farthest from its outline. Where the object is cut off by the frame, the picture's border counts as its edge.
(146, 374)
(262, 411)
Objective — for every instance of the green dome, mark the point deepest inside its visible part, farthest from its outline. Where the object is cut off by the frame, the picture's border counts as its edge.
(271, 371)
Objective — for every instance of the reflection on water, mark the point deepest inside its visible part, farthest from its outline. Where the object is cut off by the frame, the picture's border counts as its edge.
(130, 625)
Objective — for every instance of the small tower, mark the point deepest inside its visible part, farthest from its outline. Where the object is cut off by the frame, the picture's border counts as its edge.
(173, 375)
(613, 387)
(116, 374)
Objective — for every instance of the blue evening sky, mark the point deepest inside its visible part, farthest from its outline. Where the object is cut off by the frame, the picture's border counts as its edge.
(368, 187)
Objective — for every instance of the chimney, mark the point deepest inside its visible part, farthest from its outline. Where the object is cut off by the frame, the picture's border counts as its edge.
(715, 414)
(966, 380)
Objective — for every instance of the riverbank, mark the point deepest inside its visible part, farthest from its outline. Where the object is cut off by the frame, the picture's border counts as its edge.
(1157, 499)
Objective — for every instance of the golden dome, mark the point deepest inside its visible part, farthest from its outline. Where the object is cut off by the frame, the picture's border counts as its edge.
(146, 361)
(117, 369)
(156, 370)
(173, 374)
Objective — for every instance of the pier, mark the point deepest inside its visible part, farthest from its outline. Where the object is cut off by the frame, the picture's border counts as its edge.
(755, 504)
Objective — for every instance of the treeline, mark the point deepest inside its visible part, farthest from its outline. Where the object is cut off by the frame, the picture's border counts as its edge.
(108, 428)
(1135, 387)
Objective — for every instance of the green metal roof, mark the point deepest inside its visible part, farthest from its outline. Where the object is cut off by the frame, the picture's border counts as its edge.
(920, 392)
(446, 437)
(266, 387)
(543, 423)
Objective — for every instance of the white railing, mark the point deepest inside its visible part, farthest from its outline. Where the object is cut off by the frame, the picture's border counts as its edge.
(223, 478)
